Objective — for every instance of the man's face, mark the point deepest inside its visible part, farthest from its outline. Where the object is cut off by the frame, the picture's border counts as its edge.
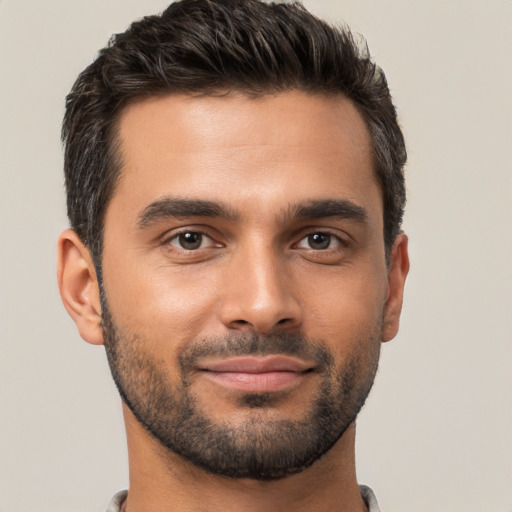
(245, 283)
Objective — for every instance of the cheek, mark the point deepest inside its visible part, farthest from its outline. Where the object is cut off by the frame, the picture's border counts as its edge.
(346, 309)
(167, 307)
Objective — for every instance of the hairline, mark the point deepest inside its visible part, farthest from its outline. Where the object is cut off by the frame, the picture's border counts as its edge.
(116, 159)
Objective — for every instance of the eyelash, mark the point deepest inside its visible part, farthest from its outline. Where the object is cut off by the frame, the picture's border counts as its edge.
(331, 236)
(175, 236)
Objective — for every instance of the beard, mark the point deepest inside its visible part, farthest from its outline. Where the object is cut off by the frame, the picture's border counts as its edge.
(261, 447)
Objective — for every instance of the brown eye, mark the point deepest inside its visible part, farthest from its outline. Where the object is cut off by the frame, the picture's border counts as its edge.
(189, 241)
(319, 241)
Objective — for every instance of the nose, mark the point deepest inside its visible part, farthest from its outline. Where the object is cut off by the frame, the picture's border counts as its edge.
(259, 294)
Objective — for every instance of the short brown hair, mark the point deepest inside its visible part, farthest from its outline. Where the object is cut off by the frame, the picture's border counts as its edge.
(209, 47)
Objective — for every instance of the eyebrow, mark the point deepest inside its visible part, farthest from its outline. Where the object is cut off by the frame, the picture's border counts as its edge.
(320, 209)
(175, 207)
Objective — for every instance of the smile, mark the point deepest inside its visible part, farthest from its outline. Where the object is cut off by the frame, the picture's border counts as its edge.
(257, 375)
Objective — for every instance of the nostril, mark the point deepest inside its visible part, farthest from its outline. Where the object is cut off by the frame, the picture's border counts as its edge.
(283, 321)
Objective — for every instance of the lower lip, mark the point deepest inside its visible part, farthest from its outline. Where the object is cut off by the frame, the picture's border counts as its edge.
(256, 382)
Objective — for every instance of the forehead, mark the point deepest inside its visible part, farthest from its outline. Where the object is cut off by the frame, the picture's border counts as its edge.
(197, 119)
(262, 151)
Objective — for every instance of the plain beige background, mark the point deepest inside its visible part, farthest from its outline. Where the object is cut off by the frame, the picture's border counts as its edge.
(436, 434)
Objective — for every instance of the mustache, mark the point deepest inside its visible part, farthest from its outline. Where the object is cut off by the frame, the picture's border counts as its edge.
(254, 344)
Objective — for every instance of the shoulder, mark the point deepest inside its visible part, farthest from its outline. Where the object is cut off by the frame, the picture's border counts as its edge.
(117, 501)
(369, 498)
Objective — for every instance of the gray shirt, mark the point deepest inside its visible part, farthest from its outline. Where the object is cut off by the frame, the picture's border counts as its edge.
(367, 494)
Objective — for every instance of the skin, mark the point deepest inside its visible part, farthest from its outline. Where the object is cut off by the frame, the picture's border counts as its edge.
(259, 158)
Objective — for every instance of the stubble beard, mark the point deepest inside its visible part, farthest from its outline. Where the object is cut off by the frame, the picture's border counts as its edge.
(261, 447)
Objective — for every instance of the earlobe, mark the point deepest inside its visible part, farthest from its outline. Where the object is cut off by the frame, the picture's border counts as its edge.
(78, 286)
(397, 273)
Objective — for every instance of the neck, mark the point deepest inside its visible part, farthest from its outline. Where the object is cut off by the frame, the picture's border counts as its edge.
(163, 482)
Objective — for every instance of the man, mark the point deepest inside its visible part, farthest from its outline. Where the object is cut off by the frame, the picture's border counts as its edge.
(234, 173)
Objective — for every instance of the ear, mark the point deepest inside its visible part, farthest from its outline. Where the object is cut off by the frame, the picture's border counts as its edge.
(397, 273)
(78, 286)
